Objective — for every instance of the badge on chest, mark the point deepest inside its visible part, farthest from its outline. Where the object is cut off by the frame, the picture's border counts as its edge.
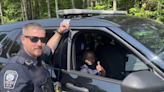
(10, 78)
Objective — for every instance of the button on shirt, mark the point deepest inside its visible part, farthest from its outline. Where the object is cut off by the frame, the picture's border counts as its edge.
(27, 79)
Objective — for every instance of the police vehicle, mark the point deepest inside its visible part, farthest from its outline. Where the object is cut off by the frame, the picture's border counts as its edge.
(130, 49)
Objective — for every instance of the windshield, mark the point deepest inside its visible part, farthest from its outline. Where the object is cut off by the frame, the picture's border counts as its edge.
(150, 33)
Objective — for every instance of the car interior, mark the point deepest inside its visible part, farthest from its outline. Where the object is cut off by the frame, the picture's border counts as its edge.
(114, 57)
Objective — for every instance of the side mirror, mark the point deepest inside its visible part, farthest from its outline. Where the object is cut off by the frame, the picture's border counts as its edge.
(142, 81)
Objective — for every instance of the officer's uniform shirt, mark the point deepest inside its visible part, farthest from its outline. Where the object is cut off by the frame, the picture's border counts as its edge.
(15, 77)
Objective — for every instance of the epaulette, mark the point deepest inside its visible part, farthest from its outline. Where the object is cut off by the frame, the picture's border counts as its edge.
(21, 60)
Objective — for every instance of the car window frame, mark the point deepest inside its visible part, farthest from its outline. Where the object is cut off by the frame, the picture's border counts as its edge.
(71, 52)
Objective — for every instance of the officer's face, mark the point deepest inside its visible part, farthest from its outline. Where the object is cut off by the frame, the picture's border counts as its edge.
(33, 42)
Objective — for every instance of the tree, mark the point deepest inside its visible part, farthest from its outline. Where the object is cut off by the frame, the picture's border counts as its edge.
(25, 10)
(2, 22)
(100, 1)
(31, 9)
(114, 5)
(88, 4)
(56, 5)
(22, 10)
(39, 8)
(83, 6)
(91, 3)
(48, 7)
(73, 4)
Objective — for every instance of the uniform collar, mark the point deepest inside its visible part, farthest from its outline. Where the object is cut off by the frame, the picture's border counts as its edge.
(22, 53)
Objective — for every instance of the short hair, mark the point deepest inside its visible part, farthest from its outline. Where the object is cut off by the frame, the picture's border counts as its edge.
(90, 51)
(32, 25)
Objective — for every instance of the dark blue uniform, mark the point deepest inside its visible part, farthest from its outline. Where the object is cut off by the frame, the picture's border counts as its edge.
(17, 77)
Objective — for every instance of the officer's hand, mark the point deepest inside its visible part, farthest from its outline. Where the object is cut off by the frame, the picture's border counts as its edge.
(63, 27)
(99, 67)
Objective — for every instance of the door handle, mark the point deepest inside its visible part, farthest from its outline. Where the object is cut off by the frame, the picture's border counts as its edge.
(81, 89)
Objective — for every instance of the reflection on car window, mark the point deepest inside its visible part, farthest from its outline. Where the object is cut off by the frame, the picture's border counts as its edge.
(3, 34)
(149, 36)
(115, 58)
(134, 64)
(150, 33)
(7, 41)
(15, 47)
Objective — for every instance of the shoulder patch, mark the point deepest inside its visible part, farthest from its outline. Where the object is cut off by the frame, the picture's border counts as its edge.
(10, 78)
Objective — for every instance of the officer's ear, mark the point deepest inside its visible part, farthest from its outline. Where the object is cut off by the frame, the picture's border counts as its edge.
(22, 39)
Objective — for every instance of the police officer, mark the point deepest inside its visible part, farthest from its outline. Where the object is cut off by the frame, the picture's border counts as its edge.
(26, 72)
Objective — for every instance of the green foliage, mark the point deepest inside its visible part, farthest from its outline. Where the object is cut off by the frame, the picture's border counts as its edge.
(12, 12)
(152, 10)
(102, 6)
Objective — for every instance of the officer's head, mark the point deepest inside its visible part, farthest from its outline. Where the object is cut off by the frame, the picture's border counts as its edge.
(89, 57)
(33, 39)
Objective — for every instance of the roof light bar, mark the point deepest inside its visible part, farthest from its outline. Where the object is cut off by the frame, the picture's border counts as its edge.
(87, 11)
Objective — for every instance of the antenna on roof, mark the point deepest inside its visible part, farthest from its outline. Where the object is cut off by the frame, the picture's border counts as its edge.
(79, 13)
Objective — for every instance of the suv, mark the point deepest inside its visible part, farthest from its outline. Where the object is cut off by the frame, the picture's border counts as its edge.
(130, 49)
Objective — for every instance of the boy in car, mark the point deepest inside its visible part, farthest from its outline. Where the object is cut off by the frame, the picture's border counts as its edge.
(90, 65)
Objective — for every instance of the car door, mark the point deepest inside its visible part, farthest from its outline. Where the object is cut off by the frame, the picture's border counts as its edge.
(119, 61)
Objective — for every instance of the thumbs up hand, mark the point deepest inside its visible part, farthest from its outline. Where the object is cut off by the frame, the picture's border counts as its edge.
(99, 67)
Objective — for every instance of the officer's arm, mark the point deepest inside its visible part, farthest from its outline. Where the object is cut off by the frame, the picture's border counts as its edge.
(53, 42)
(13, 78)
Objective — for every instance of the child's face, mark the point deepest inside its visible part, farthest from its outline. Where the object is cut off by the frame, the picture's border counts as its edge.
(89, 58)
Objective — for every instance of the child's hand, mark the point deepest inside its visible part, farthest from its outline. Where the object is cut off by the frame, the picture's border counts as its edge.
(88, 62)
(99, 67)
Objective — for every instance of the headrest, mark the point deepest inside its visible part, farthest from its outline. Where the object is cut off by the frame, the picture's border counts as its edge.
(80, 43)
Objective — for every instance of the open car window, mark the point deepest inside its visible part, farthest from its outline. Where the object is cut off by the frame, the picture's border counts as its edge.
(114, 57)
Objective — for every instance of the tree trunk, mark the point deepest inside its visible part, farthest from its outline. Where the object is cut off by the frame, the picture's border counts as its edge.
(12, 6)
(100, 1)
(31, 9)
(56, 5)
(25, 10)
(2, 22)
(114, 5)
(91, 3)
(22, 10)
(108, 3)
(73, 4)
(96, 3)
(48, 6)
(83, 4)
(88, 4)
(39, 8)
(35, 13)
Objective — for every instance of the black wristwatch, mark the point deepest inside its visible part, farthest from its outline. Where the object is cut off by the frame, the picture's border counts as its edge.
(59, 32)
